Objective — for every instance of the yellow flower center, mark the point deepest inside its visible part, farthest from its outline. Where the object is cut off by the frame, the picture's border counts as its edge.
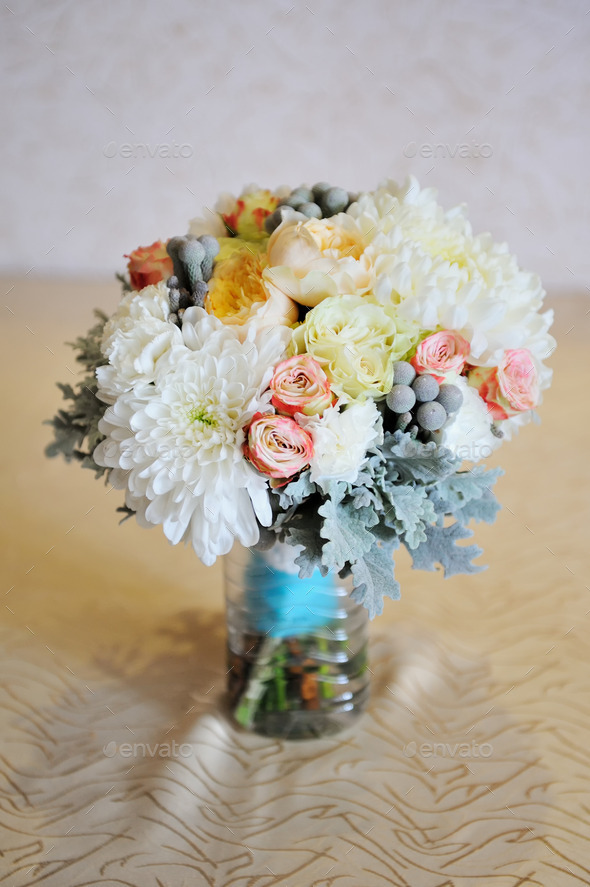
(201, 414)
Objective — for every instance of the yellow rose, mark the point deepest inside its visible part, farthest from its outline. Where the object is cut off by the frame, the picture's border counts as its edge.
(355, 340)
(313, 260)
(237, 296)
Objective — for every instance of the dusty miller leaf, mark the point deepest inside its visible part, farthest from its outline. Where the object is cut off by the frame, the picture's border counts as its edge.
(374, 577)
(440, 547)
(347, 532)
(366, 497)
(296, 492)
(306, 532)
(410, 460)
(464, 486)
(484, 509)
(409, 513)
(75, 428)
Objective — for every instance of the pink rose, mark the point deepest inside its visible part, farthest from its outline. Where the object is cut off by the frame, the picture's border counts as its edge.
(441, 353)
(300, 385)
(277, 446)
(149, 265)
(509, 388)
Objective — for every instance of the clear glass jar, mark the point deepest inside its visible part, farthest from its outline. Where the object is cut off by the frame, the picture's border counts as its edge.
(297, 648)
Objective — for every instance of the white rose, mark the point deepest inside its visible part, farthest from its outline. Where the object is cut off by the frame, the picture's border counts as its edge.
(341, 438)
(468, 433)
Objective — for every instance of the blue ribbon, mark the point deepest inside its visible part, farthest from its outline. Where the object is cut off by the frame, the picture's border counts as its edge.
(281, 604)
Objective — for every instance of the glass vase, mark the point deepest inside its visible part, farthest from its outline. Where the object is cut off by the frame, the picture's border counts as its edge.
(297, 648)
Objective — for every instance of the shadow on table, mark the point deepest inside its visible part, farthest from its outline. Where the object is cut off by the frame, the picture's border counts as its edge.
(436, 779)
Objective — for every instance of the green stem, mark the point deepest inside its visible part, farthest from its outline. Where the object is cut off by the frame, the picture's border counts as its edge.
(260, 674)
(326, 689)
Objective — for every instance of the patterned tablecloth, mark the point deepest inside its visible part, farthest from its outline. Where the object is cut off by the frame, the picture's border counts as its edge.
(118, 765)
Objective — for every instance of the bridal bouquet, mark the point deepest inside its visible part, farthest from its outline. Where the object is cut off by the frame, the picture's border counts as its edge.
(318, 368)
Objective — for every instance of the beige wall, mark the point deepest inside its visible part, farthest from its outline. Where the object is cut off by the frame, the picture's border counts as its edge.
(487, 101)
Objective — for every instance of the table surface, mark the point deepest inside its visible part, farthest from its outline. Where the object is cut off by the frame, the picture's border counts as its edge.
(118, 766)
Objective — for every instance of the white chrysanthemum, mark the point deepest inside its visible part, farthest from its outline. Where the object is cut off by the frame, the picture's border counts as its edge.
(429, 263)
(468, 433)
(176, 446)
(136, 340)
(341, 438)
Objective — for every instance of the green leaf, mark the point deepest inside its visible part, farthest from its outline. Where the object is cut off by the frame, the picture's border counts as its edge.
(440, 547)
(88, 346)
(76, 433)
(125, 283)
(67, 390)
(125, 510)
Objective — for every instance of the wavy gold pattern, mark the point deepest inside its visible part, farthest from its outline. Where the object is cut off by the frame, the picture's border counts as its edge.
(88, 798)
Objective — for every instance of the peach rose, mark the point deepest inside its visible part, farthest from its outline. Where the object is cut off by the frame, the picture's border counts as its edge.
(510, 388)
(441, 353)
(149, 265)
(277, 446)
(300, 385)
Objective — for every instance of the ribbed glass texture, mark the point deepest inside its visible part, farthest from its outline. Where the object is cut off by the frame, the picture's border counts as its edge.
(297, 648)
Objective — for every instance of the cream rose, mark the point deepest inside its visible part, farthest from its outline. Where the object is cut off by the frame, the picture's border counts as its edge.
(313, 260)
(356, 341)
(300, 385)
(510, 388)
(277, 446)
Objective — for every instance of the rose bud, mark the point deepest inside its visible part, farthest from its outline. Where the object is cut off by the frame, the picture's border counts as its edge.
(441, 353)
(277, 446)
(300, 385)
(149, 265)
(510, 388)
